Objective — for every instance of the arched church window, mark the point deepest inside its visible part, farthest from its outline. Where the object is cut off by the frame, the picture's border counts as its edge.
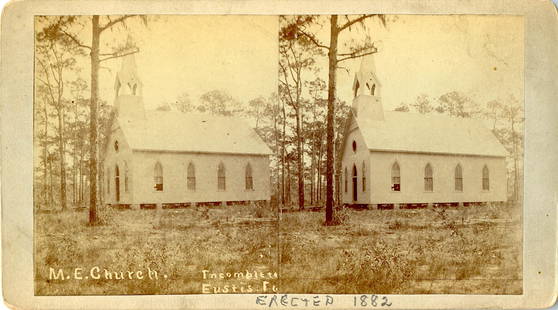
(373, 90)
(458, 178)
(395, 178)
(134, 89)
(354, 146)
(248, 177)
(428, 179)
(191, 177)
(118, 85)
(116, 145)
(357, 86)
(221, 181)
(355, 183)
(485, 179)
(158, 177)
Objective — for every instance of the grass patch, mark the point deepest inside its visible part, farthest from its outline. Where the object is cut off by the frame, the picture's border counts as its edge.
(466, 250)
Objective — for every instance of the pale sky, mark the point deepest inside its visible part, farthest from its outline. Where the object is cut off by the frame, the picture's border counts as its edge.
(481, 56)
(196, 54)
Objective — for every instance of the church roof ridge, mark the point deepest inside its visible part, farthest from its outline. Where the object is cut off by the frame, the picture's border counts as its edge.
(175, 131)
(430, 133)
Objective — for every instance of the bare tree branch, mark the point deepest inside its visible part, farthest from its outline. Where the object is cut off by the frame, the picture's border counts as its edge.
(358, 55)
(313, 39)
(354, 21)
(76, 41)
(344, 68)
(114, 22)
(117, 55)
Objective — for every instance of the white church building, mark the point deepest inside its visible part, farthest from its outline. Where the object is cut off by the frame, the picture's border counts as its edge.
(393, 159)
(171, 159)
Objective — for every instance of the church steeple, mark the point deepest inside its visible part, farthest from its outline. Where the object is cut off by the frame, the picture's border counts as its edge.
(129, 89)
(127, 80)
(366, 90)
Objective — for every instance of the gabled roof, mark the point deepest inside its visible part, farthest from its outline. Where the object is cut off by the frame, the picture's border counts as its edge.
(174, 131)
(420, 133)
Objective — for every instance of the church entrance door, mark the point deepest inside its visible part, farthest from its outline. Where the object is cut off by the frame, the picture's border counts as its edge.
(117, 184)
(355, 185)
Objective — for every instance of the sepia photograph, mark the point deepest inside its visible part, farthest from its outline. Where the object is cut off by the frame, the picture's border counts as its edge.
(274, 154)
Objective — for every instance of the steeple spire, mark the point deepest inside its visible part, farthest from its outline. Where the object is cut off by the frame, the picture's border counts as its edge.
(127, 79)
(367, 102)
(366, 81)
(128, 88)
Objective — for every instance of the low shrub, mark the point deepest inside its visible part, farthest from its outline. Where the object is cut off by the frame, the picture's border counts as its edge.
(373, 268)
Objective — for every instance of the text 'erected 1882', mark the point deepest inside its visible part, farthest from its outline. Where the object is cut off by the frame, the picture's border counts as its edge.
(321, 301)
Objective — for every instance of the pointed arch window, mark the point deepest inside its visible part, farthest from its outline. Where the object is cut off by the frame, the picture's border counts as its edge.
(357, 86)
(458, 178)
(158, 177)
(485, 178)
(373, 90)
(249, 181)
(395, 178)
(346, 180)
(221, 180)
(191, 177)
(428, 179)
(363, 177)
(355, 183)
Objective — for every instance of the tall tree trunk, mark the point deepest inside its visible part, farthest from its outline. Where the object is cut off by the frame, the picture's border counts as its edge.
(313, 155)
(75, 154)
(332, 55)
(81, 174)
(277, 151)
(288, 185)
(283, 154)
(45, 158)
(336, 169)
(300, 168)
(50, 185)
(312, 170)
(62, 157)
(96, 33)
(319, 172)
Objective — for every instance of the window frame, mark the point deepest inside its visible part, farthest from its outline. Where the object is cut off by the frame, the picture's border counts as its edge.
(158, 179)
(428, 178)
(395, 177)
(248, 178)
(191, 177)
(485, 178)
(221, 177)
(458, 177)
